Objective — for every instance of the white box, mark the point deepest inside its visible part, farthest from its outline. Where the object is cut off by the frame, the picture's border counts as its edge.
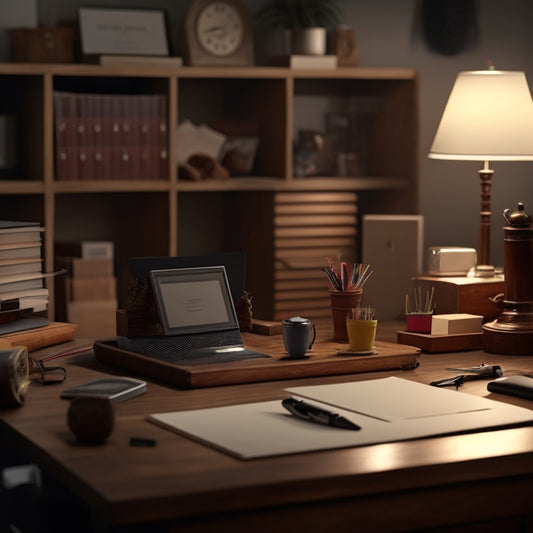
(97, 250)
(456, 323)
(450, 260)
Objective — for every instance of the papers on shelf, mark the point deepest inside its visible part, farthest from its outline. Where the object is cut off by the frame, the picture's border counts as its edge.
(145, 61)
(192, 139)
(388, 409)
(301, 61)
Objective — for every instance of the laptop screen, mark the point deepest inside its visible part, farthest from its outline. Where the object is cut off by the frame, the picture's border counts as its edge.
(234, 263)
(193, 300)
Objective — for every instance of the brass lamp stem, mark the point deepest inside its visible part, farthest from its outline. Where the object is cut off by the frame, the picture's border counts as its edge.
(484, 225)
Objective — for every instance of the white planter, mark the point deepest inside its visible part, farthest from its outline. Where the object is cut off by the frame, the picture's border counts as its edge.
(309, 41)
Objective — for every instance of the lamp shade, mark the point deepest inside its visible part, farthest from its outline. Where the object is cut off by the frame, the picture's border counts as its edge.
(488, 117)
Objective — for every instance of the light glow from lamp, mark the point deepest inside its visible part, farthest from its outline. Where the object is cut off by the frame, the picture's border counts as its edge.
(488, 117)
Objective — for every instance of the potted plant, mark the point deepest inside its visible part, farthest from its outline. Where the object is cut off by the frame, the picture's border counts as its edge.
(306, 20)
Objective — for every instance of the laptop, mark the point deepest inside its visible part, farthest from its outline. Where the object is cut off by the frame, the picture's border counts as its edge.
(197, 316)
(234, 263)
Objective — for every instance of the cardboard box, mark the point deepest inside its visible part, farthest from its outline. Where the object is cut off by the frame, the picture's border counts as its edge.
(97, 288)
(455, 324)
(465, 295)
(94, 319)
(78, 267)
(85, 249)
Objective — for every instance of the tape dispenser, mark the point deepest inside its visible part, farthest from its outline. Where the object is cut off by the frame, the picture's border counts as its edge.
(14, 376)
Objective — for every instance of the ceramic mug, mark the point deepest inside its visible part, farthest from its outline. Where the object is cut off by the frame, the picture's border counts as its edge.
(298, 335)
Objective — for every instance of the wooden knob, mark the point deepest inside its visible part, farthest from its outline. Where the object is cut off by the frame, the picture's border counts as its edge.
(91, 420)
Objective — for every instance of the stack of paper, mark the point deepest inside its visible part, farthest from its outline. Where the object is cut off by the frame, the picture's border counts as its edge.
(192, 139)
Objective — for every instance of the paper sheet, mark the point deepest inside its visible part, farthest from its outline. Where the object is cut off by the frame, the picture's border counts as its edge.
(192, 139)
(387, 409)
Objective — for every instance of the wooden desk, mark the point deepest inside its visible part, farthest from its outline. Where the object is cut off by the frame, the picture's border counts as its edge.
(181, 485)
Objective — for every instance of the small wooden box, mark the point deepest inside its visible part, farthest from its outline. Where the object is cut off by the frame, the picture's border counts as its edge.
(42, 45)
(465, 295)
(342, 43)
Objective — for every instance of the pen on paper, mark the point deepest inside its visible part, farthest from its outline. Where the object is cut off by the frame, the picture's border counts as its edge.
(312, 413)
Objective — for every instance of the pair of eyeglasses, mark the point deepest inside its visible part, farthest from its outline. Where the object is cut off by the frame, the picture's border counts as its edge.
(48, 375)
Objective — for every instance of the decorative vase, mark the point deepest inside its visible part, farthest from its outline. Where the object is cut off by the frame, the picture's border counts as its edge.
(309, 41)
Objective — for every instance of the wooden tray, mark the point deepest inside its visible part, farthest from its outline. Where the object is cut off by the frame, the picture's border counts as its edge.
(441, 343)
(322, 361)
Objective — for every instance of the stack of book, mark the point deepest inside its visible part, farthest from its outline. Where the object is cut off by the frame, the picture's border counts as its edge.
(22, 287)
(110, 136)
(87, 294)
(23, 295)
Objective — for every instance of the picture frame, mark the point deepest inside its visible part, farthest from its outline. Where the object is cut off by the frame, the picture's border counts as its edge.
(193, 300)
(139, 32)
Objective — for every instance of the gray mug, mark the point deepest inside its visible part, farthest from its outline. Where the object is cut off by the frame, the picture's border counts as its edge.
(298, 335)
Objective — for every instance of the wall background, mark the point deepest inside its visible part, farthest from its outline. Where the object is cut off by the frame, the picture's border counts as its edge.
(388, 34)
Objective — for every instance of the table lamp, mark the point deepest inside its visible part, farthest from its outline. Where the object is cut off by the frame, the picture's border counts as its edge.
(488, 117)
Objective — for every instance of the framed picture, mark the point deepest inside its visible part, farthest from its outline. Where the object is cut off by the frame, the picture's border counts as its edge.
(123, 31)
(193, 300)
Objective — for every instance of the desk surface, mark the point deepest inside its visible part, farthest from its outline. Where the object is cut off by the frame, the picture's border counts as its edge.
(421, 483)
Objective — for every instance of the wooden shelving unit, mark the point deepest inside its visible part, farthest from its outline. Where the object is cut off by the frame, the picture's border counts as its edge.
(173, 217)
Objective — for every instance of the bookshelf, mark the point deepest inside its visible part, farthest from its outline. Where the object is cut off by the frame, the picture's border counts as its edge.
(171, 216)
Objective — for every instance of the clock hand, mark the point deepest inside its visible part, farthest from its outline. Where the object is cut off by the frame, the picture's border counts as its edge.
(214, 28)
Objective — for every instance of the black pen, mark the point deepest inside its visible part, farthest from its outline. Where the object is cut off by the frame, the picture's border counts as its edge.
(312, 413)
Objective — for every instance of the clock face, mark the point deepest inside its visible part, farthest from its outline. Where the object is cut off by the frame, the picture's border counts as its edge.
(219, 29)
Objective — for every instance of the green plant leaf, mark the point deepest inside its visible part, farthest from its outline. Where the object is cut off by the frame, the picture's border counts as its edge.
(293, 14)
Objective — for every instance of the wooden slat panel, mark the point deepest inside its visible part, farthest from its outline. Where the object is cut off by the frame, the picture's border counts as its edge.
(303, 303)
(312, 242)
(315, 208)
(311, 253)
(282, 273)
(314, 231)
(314, 314)
(292, 284)
(315, 197)
(315, 220)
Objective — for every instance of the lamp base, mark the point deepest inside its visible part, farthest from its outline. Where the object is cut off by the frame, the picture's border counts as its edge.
(511, 333)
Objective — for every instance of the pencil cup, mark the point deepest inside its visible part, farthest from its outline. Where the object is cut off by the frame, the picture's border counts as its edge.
(342, 303)
(361, 334)
(419, 322)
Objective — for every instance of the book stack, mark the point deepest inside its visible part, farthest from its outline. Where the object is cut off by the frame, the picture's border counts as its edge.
(23, 296)
(110, 136)
(22, 290)
(87, 295)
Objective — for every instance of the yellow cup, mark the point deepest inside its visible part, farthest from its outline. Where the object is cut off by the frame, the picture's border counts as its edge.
(361, 334)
